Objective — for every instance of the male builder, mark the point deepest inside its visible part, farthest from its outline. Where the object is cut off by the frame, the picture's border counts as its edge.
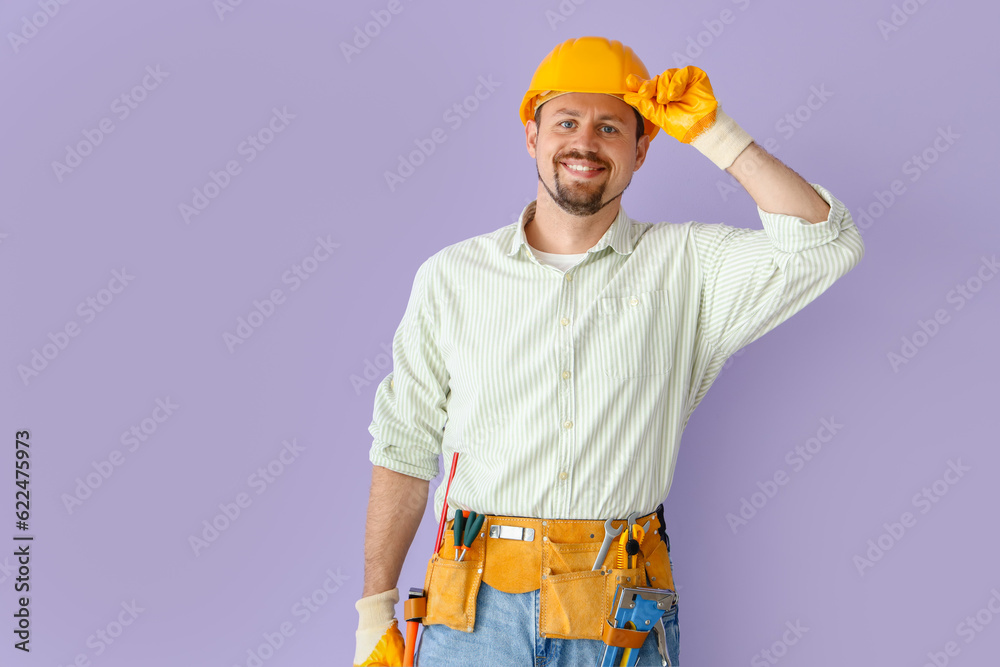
(561, 357)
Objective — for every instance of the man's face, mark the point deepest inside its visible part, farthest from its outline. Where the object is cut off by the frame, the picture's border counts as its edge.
(585, 150)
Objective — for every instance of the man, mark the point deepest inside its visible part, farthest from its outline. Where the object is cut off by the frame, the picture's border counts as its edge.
(562, 356)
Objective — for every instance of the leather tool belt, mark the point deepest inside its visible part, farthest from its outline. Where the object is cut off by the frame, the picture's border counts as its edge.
(518, 554)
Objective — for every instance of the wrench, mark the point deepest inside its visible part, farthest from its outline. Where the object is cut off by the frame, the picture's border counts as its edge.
(632, 518)
(609, 535)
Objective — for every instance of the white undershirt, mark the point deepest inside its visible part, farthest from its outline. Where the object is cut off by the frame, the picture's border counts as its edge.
(562, 262)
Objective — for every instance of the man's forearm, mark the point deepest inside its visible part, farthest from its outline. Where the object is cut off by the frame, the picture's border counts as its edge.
(775, 187)
(396, 504)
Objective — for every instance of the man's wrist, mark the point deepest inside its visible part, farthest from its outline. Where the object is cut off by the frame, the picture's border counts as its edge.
(723, 141)
(376, 585)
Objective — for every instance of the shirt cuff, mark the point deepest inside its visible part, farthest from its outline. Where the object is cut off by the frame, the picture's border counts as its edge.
(381, 455)
(791, 233)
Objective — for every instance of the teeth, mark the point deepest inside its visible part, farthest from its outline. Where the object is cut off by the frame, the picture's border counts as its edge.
(580, 167)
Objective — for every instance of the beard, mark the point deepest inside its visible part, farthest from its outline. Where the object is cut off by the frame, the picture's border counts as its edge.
(579, 198)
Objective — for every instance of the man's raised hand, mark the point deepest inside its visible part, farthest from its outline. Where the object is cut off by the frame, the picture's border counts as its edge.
(682, 103)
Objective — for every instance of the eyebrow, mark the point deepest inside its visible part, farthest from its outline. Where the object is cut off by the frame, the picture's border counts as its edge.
(577, 114)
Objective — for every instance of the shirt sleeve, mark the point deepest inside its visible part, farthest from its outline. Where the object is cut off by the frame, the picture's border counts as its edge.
(753, 280)
(411, 402)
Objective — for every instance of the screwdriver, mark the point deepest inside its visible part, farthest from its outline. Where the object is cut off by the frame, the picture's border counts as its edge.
(472, 527)
(459, 524)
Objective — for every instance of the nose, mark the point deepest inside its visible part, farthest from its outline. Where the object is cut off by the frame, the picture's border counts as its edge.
(586, 138)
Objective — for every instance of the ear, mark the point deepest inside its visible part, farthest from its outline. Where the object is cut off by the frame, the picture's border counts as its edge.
(531, 137)
(640, 151)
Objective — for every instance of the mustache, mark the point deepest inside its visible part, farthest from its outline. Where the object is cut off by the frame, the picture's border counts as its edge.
(577, 155)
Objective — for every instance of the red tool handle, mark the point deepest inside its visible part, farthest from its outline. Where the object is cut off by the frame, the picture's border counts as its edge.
(411, 626)
(444, 508)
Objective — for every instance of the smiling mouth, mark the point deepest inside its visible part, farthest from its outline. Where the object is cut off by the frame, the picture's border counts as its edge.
(582, 170)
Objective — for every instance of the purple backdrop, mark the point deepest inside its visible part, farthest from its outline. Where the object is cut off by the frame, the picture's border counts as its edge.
(203, 263)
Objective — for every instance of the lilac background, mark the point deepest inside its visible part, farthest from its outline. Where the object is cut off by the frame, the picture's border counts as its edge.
(297, 377)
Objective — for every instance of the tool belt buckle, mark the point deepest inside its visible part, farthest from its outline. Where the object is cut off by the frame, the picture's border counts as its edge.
(512, 533)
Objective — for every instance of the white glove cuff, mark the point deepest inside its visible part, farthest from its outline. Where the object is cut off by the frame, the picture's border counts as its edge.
(375, 614)
(723, 141)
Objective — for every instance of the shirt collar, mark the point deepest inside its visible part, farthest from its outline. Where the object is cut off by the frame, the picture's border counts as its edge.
(618, 236)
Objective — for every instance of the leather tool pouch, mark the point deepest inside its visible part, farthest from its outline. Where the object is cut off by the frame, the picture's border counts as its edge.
(658, 571)
(576, 601)
(452, 586)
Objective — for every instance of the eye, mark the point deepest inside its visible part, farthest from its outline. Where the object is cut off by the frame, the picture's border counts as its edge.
(608, 127)
(563, 123)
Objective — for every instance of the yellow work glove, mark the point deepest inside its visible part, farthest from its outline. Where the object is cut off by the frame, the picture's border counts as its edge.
(681, 102)
(378, 642)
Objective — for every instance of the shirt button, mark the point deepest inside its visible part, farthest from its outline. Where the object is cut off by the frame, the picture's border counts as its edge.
(569, 277)
(633, 301)
(564, 475)
(564, 321)
(565, 375)
(567, 424)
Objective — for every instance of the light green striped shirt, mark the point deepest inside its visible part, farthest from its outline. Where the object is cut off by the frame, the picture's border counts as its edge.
(566, 393)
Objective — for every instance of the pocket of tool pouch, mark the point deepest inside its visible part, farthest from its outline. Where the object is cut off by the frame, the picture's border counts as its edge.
(575, 605)
(452, 587)
(572, 605)
(571, 557)
(634, 334)
(659, 571)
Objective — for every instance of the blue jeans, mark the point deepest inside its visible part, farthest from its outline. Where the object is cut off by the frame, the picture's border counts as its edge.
(507, 634)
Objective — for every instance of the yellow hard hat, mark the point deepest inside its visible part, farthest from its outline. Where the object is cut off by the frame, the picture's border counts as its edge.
(584, 65)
